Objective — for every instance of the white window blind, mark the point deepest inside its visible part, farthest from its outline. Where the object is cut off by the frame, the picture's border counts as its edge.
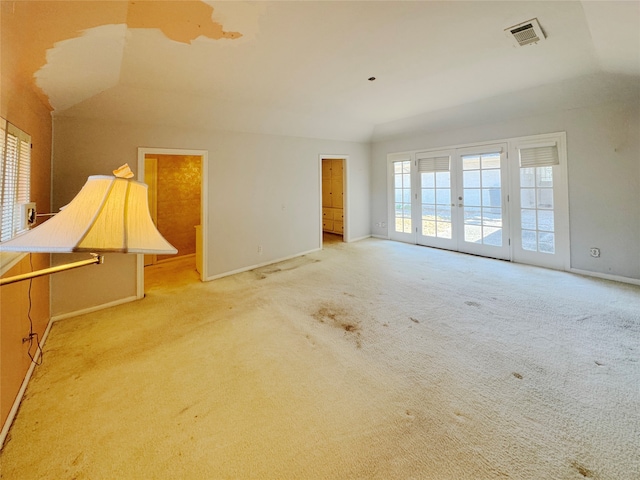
(434, 164)
(541, 155)
(15, 177)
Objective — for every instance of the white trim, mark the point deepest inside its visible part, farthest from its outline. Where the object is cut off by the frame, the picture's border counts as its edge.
(381, 237)
(23, 387)
(115, 303)
(605, 276)
(259, 265)
(204, 202)
(351, 240)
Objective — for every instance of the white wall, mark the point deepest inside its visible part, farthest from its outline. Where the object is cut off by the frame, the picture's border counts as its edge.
(263, 190)
(603, 148)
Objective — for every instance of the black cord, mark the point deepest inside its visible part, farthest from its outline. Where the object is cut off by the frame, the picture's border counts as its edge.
(32, 334)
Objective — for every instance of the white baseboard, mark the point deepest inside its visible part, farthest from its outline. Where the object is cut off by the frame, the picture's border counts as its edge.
(606, 276)
(382, 237)
(62, 316)
(253, 267)
(357, 239)
(16, 404)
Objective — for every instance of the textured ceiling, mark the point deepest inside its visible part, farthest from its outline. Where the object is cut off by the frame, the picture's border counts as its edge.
(301, 68)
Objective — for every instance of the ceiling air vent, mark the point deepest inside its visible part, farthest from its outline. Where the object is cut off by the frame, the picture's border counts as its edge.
(525, 33)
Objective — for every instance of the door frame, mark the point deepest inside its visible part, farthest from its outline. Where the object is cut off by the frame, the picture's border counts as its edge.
(345, 191)
(204, 204)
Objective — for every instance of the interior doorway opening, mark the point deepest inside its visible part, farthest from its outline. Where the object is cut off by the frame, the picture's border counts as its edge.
(177, 204)
(333, 198)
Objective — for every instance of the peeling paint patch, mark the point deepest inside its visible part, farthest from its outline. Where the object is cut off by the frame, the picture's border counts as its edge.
(179, 21)
(79, 68)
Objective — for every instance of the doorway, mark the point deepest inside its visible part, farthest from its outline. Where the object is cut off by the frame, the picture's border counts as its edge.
(333, 171)
(178, 206)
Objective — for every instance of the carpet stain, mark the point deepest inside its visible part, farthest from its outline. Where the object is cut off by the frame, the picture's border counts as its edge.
(517, 375)
(339, 318)
(585, 472)
(472, 304)
(286, 266)
(414, 320)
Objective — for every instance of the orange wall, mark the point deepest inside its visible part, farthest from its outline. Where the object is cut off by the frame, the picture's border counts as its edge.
(179, 201)
(21, 105)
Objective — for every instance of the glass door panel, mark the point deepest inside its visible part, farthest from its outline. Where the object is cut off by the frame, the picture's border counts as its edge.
(435, 194)
(482, 199)
(401, 224)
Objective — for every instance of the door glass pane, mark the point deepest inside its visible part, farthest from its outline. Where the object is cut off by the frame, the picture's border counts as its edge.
(472, 216)
(443, 179)
(491, 160)
(472, 197)
(428, 196)
(544, 176)
(482, 215)
(528, 198)
(491, 197)
(545, 198)
(402, 196)
(492, 236)
(432, 196)
(529, 240)
(546, 242)
(471, 178)
(443, 230)
(545, 220)
(491, 178)
(537, 215)
(527, 177)
(427, 180)
(528, 219)
(473, 234)
(443, 196)
(492, 217)
(471, 162)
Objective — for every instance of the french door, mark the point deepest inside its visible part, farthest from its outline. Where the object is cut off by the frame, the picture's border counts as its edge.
(459, 199)
(466, 199)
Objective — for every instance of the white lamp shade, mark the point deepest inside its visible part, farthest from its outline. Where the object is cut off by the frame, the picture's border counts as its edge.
(109, 214)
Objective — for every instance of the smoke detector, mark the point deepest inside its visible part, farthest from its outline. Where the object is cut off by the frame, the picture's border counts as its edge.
(525, 33)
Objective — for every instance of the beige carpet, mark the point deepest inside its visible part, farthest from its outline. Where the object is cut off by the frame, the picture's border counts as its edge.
(367, 360)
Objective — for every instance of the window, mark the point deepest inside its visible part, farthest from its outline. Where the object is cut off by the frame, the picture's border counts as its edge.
(402, 195)
(15, 177)
(536, 197)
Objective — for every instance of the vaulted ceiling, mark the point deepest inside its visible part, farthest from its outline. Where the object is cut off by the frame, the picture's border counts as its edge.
(302, 67)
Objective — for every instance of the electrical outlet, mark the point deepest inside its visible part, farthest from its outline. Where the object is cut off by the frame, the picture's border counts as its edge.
(594, 252)
(259, 249)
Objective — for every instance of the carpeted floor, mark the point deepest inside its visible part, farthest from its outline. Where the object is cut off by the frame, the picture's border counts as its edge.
(373, 359)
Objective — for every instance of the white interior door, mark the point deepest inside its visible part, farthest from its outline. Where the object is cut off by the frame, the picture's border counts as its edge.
(482, 197)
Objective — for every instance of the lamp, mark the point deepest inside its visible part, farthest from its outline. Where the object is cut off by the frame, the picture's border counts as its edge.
(109, 214)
